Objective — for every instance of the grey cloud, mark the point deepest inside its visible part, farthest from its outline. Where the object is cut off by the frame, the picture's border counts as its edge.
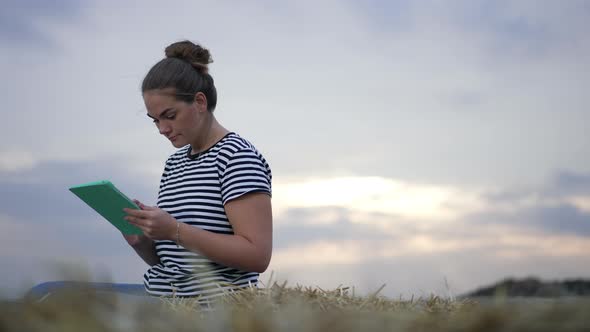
(509, 32)
(36, 202)
(466, 99)
(402, 132)
(37, 252)
(55, 226)
(52, 172)
(564, 218)
(562, 183)
(425, 274)
(41, 193)
(567, 182)
(25, 272)
(561, 219)
(387, 14)
(505, 196)
(418, 274)
(18, 20)
(299, 227)
(518, 29)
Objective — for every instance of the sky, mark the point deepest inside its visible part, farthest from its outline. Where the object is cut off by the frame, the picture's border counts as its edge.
(432, 146)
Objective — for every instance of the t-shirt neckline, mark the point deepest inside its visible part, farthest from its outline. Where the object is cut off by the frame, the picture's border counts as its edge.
(195, 156)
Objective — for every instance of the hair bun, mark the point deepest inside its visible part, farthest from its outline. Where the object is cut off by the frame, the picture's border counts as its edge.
(198, 56)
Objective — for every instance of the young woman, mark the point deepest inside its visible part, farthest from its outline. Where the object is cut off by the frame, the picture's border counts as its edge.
(211, 231)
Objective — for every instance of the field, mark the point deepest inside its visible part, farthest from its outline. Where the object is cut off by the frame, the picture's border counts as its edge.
(283, 308)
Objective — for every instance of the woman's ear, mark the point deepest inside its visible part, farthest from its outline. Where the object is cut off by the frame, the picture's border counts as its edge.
(201, 101)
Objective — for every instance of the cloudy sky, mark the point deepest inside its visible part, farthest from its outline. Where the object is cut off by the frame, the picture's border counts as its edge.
(432, 146)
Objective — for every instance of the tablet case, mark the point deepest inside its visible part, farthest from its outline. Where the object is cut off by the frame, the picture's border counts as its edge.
(109, 202)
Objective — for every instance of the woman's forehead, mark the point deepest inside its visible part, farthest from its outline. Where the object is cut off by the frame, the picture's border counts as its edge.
(157, 102)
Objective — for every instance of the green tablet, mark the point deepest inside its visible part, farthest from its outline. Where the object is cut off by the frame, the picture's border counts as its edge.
(109, 202)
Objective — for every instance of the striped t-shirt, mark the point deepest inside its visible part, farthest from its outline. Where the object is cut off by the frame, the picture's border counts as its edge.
(194, 190)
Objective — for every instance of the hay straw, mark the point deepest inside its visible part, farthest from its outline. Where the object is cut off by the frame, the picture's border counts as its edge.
(279, 307)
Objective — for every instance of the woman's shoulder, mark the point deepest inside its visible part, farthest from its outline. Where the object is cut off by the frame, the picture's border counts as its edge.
(236, 147)
(233, 142)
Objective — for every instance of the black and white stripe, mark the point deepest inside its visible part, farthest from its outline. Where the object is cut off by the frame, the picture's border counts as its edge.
(194, 190)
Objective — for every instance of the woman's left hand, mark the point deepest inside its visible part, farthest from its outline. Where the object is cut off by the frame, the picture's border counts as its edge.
(155, 223)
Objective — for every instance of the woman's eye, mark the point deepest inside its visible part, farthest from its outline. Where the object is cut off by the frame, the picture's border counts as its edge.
(167, 117)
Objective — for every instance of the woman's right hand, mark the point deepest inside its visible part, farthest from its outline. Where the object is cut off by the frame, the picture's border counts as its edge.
(137, 240)
(143, 245)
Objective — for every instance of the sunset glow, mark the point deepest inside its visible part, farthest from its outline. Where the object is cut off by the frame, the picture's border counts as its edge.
(378, 195)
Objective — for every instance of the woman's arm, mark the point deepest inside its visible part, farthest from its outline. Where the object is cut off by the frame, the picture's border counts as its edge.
(144, 247)
(248, 249)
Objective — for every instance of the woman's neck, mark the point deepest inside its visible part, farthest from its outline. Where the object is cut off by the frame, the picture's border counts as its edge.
(214, 133)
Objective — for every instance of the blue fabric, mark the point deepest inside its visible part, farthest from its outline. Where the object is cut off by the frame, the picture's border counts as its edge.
(131, 292)
(45, 288)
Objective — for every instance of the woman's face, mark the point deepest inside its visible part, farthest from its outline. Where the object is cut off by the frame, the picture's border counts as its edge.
(180, 122)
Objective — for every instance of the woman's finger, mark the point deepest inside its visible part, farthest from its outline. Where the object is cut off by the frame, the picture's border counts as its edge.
(136, 213)
(138, 203)
(144, 231)
(148, 208)
(135, 221)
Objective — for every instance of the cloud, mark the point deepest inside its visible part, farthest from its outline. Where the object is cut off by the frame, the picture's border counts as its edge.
(303, 226)
(16, 160)
(416, 257)
(333, 243)
(562, 205)
(40, 193)
(377, 194)
(321, 243)
(571, 183)
(53, 248)
(506, 29)
(19, 21)
(516, 232)
(398, 90)
(46, 229)
(421, 274)
(559, 219)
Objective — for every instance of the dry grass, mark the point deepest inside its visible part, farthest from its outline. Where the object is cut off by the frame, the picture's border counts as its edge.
(282, 308)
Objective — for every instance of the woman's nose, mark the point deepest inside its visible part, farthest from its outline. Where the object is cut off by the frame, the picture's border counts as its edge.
(164, 129)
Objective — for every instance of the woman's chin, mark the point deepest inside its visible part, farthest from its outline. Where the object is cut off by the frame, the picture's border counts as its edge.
(178, 144)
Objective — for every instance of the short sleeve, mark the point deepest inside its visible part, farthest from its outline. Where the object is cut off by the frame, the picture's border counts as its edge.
(246, 172)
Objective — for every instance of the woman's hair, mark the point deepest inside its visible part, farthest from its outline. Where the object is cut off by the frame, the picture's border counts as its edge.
(185, 69)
